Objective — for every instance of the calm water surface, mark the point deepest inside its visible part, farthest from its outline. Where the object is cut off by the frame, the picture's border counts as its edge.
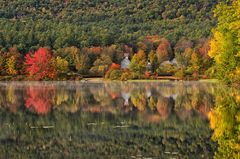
(111, 119)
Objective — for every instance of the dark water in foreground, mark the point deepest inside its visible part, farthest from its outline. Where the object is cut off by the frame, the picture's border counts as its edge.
(110, 120)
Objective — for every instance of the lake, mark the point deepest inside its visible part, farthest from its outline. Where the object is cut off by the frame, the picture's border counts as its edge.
(118, 120)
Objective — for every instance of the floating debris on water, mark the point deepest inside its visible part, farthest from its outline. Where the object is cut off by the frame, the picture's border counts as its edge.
(121, 126)
(94, 124)
(42, 127)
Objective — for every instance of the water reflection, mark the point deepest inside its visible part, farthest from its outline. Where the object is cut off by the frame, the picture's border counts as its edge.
(225, 121)
(157, 99)
(166, 119)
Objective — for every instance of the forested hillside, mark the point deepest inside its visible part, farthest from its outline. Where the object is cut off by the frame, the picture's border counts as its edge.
(84, 23)
(188, 39)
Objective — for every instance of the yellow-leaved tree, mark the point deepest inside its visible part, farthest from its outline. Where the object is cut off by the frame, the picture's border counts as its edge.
(11, 66)
(225, 44)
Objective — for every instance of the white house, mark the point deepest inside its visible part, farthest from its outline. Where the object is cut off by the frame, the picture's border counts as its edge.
(125, 63)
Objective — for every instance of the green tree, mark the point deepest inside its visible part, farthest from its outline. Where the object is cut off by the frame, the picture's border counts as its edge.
(101, 65)
(154, 61)
(183, 58)
(82, 63)
(70, 54)
(194, 64)
(61, 64)
(75, 58)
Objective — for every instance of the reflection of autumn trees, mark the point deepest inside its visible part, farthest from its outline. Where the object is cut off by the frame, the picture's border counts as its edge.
(77, 99)
(165, 106)
(152, 102)
(157, 99)
(72, 99)
(39, 98)
(170, 116)
(9, 99)
(86, 133)
(61, 97)
(194, 98)
(225, 121)
(138, 98)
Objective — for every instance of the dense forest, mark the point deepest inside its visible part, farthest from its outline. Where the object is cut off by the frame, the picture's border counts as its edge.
(66, 39)
(83, 23)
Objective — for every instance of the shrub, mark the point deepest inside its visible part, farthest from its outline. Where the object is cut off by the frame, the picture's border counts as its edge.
(137, 75)
(147, 74)
(167, 69)
(114, 66)
(180, 73)
(126, 76)
(116, 74)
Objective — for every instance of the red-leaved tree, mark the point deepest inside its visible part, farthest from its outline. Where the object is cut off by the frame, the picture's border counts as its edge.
(40, 65)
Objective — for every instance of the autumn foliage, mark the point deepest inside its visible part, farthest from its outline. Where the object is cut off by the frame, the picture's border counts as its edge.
(40, 65)
(164, 51)
(147, 74)
(114, 66)
(10, 66)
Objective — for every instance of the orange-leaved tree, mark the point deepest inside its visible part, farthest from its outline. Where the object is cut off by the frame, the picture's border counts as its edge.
(40, 65)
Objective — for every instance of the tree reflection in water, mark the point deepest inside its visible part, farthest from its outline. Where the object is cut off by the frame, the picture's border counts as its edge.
(39, 98)
(225, 121)
(164, 116)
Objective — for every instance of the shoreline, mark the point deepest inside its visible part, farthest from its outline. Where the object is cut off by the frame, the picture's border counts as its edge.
(97, 79)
